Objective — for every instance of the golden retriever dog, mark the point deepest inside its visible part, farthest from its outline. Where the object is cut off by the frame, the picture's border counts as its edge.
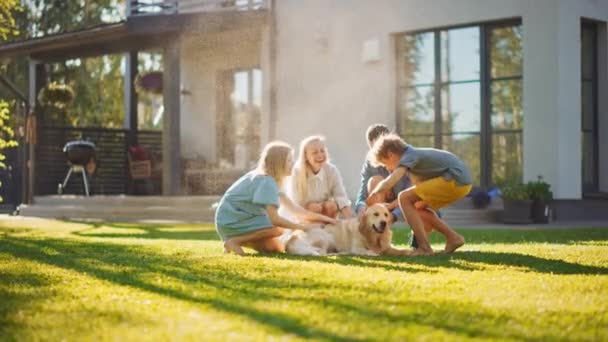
(369, 236)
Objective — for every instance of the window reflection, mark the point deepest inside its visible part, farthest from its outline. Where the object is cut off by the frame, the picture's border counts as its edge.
(460, 54)
(459, 84)
(507, 157)
(239, 121)
(417, 58)
(465, 146)
(506, 52)
(420, 140)
(460, 108)
(417, 110)
(506, 102)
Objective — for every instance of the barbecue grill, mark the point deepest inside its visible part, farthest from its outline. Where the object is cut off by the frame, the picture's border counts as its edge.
(78, 154)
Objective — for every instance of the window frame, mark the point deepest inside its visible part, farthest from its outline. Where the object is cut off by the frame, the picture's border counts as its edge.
(595, 191)
(486, 132)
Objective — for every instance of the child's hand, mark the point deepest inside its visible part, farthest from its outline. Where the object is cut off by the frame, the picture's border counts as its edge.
(327, 219)
(374, 197)
(311, 226)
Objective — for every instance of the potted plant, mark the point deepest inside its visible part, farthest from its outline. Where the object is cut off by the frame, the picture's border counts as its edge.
(517, 203)
(56, 95)
(149, 82)
(541, 195)
(56, 98)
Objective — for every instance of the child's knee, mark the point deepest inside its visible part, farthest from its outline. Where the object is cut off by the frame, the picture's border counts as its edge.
(276, 231)
(407, 197)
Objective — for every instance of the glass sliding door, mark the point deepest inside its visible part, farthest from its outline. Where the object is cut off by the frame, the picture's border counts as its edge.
(505, 57)
(460, 89)
(460, 100)
(239, 118)
(416, 89)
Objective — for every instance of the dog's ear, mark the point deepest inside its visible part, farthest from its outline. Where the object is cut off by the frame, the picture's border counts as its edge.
(367, 232)
(363, 227)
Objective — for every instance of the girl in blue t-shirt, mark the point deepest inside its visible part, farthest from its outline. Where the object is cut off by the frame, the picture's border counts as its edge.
(248, 212)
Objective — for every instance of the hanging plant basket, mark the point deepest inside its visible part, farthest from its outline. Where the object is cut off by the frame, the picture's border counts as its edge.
(149, 82)
(56, 95)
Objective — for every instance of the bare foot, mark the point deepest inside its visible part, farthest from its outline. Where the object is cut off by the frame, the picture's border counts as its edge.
(453, 244)
(420, 251)
(231, 246)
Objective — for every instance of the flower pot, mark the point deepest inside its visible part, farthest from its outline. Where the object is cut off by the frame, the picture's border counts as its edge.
(541, 212)
(517, 211)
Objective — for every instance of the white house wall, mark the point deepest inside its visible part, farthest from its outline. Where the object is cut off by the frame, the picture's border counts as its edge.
(323, 86)
(202, 57)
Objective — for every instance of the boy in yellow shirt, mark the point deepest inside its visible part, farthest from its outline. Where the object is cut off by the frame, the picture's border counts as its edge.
(440, 178)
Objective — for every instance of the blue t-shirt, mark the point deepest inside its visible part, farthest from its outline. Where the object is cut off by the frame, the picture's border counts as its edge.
(368, 171)
(431, 162)
(243, 207)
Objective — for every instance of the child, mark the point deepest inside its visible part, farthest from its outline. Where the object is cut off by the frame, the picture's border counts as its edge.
(372, 175)
(316, 183)
(440, 179)
(247, 213)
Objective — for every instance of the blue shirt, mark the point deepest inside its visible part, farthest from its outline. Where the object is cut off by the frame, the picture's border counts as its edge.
(368, 171)
(431, 162)
(242, 209)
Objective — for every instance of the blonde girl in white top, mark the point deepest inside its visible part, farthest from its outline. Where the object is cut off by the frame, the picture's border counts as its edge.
(316, 184)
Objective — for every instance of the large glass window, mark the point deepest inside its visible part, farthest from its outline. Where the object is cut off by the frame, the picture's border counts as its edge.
(442, 78)
(239, 118)
(589, 110)
(506, 121)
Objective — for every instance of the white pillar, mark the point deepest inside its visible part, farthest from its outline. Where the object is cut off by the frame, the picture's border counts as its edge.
(552, 103)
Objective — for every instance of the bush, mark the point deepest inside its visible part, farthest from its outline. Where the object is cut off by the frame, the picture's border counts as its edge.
(540, 190)
(515, 191)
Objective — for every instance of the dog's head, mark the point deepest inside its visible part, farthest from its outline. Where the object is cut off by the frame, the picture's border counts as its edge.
(376, 217)
(375, 227)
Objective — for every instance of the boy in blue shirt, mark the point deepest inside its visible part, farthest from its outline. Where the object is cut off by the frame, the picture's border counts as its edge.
(371, 175)
(440, 178)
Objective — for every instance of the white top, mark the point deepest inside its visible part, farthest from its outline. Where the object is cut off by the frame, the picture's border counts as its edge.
(324, 186)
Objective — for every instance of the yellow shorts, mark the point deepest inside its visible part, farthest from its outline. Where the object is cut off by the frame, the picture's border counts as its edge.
(438, 192)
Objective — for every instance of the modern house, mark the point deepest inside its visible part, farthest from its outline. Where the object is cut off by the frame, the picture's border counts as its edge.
(516, 87)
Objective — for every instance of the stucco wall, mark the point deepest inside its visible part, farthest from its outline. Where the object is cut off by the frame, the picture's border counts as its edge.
(202, 57)
(323, 86)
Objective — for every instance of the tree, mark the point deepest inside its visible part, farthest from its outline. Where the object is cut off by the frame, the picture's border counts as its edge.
(7, 29)
(97, 82)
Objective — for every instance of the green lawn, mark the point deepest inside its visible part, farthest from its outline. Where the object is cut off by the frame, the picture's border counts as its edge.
(106, 281)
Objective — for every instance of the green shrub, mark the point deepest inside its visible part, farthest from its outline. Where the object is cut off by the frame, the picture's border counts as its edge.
(515, 191)
(540, 190)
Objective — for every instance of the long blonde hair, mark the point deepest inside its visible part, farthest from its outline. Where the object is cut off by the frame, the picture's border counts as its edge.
(273, 160)
(300, 176)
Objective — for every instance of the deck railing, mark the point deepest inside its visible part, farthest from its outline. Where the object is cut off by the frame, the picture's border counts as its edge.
(155, 7)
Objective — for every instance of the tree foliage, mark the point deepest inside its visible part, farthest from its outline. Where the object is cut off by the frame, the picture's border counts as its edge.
(8, 28)
(97, 82)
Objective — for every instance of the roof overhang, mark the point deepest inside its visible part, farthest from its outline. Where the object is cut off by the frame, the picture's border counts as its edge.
(137, 33)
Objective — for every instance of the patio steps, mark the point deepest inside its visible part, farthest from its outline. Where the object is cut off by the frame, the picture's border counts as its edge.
(123, 208)
(192, 209)
(462, 213)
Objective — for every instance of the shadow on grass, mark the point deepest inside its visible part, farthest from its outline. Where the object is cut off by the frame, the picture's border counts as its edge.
(533, 263)
(220, 285)
(76, 256)
(149, 231)
(523, 235)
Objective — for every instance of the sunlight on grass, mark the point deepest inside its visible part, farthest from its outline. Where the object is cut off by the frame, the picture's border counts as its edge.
(111, 281)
